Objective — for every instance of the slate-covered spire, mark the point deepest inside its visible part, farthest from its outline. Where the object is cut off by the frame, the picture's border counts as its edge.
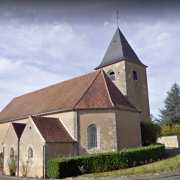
(119, 49)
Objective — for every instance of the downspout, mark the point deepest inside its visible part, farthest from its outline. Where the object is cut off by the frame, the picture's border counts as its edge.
(18, 156)
(77, 130)
(3, 160)
(44, 160)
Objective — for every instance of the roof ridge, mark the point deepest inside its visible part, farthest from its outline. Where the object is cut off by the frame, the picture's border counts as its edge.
(44, 117)
(36, 127)
(107, 88)
(121, 94)
(54, 84)
(87, 89)
(17, 123)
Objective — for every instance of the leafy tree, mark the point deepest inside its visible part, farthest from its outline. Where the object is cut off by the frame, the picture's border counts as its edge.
(171, 113)
(148, 133)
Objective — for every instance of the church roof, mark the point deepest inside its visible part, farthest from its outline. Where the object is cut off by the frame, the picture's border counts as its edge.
(19, 128)
(51, 129)
(119, 49)
(93, 90)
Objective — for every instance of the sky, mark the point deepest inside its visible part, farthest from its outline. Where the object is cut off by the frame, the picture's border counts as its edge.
(44, 42)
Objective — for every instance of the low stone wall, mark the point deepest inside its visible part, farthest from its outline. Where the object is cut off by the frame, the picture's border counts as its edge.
(170, 141)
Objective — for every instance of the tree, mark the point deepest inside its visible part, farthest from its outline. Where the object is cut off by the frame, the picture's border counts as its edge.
(148, 133)
(171, 113)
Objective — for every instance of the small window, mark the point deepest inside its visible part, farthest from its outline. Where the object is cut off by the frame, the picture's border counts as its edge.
(135, 75)
(112, 76)
(92, 136)
(30, 153)
(11, 153)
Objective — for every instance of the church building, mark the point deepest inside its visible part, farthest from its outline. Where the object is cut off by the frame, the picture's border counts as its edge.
(93, 113)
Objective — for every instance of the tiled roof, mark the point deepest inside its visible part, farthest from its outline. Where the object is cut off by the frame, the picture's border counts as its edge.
(93, 90)
(118, 50)
(52, 129)
(19, 128)
(103, 93)
(60, 96)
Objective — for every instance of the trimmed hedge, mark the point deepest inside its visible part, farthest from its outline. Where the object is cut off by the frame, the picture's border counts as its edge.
(172, 134)
(70, 166)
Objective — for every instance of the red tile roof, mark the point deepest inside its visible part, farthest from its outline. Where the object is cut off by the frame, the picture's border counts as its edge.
(52, 129)
(103, 93)
(93, 90)
(19, 128)
(60, 96)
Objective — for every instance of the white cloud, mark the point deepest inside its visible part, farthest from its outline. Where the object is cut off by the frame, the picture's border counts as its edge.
(157, 46)
(106, 23)
(33, 57)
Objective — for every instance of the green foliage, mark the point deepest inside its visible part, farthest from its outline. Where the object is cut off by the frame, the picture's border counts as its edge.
(158, 130)
(12, 165)
(67, 167)
(171, 113)
(149, 133)
(172, 134)
(171, 130)
(1, 159)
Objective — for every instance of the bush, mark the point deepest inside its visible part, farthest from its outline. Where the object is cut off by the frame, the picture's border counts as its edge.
(158, 130)
(172, 134)
(171, 130)
(12, 165)
(149, 133)
(72, 166)
(1, 159)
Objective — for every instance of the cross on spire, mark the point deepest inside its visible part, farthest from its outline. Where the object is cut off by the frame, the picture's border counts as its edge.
(117, 19)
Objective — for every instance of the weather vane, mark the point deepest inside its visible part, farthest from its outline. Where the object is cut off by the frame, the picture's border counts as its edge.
(117, 19)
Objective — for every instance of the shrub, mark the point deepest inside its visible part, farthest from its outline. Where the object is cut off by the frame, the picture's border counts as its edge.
(71, 166)
(1, 159)
(149, 133)
(12, 165)
(158, 130)
(171, 130)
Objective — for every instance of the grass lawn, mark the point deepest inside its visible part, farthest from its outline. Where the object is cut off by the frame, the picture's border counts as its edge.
(171, 163)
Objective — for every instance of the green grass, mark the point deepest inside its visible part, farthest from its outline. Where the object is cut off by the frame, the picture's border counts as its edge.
(171, 163)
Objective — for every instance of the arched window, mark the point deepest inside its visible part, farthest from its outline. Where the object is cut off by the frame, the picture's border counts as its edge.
(30, 153)
(135, 75)
(12, 153)
(92, 136)
(112, 76)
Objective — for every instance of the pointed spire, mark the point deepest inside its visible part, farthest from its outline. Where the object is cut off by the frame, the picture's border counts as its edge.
(119, 49)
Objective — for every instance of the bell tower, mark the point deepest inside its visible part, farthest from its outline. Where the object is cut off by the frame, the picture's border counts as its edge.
(127, 72)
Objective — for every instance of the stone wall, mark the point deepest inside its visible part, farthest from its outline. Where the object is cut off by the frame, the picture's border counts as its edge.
(11, 141)
(105, 122)
(31, 138)
(4, 128)
(135, 90)
(170, 141)
(128, 129)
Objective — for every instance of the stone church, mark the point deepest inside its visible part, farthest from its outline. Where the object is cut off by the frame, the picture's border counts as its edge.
(96, 112)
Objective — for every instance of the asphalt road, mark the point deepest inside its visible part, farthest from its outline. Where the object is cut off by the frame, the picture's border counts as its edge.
(173, 150)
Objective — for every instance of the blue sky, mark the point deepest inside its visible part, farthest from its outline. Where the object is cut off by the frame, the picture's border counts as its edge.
(45, 42)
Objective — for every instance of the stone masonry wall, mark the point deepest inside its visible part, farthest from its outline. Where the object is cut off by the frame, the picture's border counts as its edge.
(135, 90)
(128, 129)
(4, 128)
(170, 141)
(31, 138)
(106, 130)
(11, 141)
